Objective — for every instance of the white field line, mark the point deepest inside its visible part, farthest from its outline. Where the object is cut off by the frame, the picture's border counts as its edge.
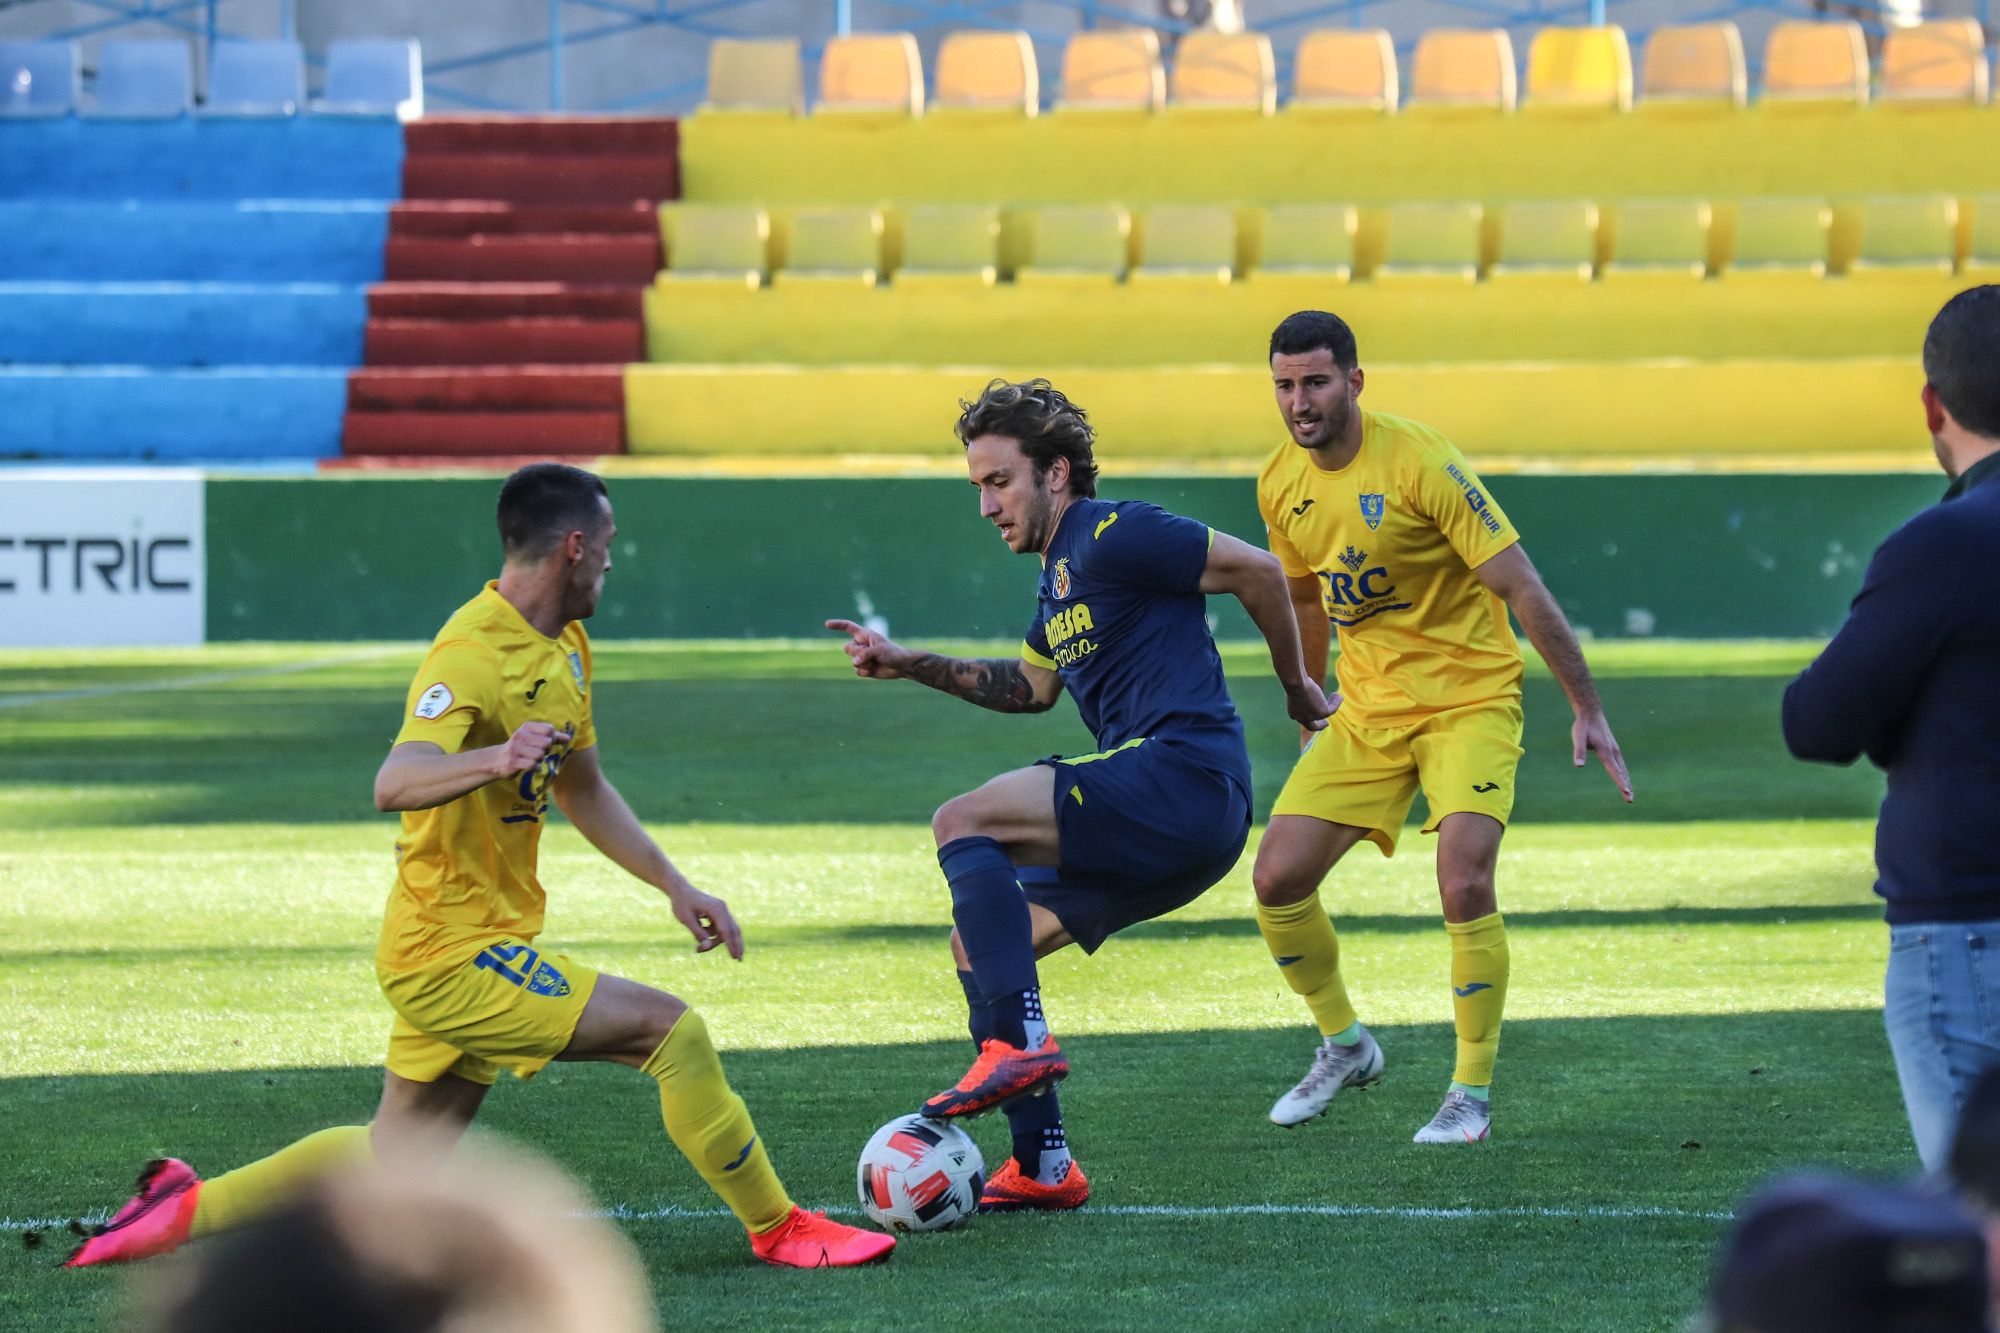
(1169, 1212)
(194, 682)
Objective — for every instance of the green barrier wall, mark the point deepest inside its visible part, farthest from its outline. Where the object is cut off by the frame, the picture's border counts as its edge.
(1698, 556)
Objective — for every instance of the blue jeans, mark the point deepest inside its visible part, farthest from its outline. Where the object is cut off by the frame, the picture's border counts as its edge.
(1941, 1004)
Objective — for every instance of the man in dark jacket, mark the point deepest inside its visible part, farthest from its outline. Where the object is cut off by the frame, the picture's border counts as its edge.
(1912, 680)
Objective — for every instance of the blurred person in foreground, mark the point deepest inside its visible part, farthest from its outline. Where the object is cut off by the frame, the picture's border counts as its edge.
(497, 1241)
(1912, 680)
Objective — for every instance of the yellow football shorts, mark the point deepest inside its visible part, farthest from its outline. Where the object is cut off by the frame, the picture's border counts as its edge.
(505, 1005)
(1367, 776)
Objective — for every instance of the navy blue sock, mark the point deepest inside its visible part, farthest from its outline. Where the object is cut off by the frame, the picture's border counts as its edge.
(991, 913)
(1035, 1122)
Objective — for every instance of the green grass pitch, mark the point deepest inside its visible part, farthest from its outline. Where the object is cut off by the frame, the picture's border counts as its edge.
(192, 874)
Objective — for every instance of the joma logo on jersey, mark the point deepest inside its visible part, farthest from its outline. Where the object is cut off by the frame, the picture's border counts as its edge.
(1066, 625)
(1473, 498)
(1059, 582)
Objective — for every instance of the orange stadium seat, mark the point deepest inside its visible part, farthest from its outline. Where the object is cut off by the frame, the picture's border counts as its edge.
(1587, 68)
(1225, 70)
(1660, 240)
(834, 244)
(1433, 243)
(1907, 234)
(718, 243)
(987, 71)
(1342, 69)
(1939, 61)
(950, 245)
(1694, 64)
(1188, 244)
(1079, 245)
(876, 72)
(1551, 241)
(1816, 61)
(1780, 238)
(1309, 240)
(1114, 70)
(755, 76)
(1463, 68)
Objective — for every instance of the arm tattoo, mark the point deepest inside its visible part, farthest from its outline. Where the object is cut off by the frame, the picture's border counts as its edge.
(997, 683)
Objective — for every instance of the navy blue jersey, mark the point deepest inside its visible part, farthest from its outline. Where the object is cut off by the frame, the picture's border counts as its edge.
(1122, 619)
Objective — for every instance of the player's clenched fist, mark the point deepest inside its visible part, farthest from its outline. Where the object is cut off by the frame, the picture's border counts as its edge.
(529, 745)
(873, 655)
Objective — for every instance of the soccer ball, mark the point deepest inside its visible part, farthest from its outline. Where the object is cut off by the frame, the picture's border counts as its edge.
(921, 1175)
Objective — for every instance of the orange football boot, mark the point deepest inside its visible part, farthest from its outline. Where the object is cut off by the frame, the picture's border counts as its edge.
(1014, 1191)
(998, 1076)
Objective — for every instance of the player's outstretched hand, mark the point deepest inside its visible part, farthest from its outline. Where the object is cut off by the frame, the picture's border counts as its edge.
(874, 655)
(707, 919)
(529, 745)
(1592, 735)
(1309, 705)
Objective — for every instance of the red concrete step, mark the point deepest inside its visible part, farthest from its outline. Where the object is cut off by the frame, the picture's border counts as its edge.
(475, 434)
(631, 261)
(529, 178)
(485, 217)
(503, 300)
(561, 135)
(502, 342)
(486, 388)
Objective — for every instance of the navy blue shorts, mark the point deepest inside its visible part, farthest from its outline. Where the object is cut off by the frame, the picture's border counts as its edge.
(1144, 829)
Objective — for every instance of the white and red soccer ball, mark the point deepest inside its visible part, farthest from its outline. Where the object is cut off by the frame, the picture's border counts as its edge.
(921, 1175)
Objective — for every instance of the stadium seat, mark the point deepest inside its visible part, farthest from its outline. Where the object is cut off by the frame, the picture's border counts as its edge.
(1552, 241)
(1463, 68)
(1113, 70)
(987, 72)
(1580, 69)
(950, 245)
(1982, 258)
(1187, 244)
(834, 244)
(871, 72)
(1082, 246)
(255, 79)
(1309, 240)
(718, 243)
(143, 80)
(1780, 239)
(1345, 69)
(1815, 62)
(1694, 65)
(38, 79)
(762, 75)
(1941, 61)
(374, 78)
(1432, 243)
(1660, 240)
(1229, 71)
(1906, 235)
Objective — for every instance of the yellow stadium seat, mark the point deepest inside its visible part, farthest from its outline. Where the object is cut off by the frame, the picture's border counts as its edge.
(1660, 240)
(1079, 245)
(1780, 238)
(834, 244)
(1547, 241)
(1188, 244)
(1345, 69)
(1939, 61)
(1112, 70)
(987, 71)
(1432, 243)
(1907, 234)
(718, 243)
(755, 76)
(871, 72)
(1982, 259)
(1580, 68)
(1463, 68)
(1699, 64)
(1309, 240)
(948, 245)
(1815, 61)
(1225, 71)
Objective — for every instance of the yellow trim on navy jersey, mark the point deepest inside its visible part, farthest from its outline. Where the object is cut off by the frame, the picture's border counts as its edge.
(1106, 754)
(1029, 655)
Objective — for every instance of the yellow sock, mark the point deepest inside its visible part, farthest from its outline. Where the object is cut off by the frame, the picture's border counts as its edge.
(710, 1125)
(1478, 994)
(235, 1197)
(1303, 944)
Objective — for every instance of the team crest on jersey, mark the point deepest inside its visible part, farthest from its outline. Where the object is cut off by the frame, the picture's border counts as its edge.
(576, 667)
(1353, 559)
(1060, 582)
(1371, 510)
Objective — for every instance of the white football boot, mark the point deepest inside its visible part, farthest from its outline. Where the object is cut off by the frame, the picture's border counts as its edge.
(1462, 1119)
(1334, 1067)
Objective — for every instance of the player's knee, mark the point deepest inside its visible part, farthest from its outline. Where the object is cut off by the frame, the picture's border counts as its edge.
(1467, 895)
(1278, 884)
(955, 819)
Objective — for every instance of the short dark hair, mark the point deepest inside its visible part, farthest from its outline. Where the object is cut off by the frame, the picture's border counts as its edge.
(1959, 352)
(545, 502)
(1047, 426)
(1310, 330)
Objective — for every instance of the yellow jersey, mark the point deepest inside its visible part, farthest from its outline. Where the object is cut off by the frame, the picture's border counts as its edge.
(1393, 538)
(465, 870)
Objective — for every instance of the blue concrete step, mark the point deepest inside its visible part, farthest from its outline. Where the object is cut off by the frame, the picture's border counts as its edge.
(123, 412)
(254, 240)
(181, 324)
(195, 158)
